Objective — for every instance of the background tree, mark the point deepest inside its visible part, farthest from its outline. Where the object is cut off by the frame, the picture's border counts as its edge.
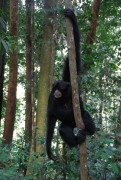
(46, 72)
(47, 65)
(3, 25)
(28, 122)
(11, 100)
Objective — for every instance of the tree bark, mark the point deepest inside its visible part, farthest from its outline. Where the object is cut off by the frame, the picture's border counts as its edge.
(32, 88)
(32, 76)
(93, 22)
(92, 32)
(46, 75)
(28, 122)
(11, 99)
(47, 66)
(75, 95)
(3, 6)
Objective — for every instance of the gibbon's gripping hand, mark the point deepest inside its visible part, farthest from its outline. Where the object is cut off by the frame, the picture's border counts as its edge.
(68, 13)
(81, 136)
(54, 158)
(81, 132)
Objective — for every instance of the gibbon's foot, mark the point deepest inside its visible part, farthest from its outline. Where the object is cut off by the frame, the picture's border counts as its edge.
(82, 131)
(81, 136)
(54, 158)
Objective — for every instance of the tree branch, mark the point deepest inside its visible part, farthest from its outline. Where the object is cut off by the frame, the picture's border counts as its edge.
(75, 96)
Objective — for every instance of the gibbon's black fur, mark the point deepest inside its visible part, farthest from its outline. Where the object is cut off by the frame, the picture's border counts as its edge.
(60, 103)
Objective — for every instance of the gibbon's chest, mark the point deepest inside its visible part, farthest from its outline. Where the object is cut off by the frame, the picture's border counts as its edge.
(64, 112)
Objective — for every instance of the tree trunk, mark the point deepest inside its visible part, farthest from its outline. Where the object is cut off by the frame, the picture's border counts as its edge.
(93, 22)
(46, 74)
(47, 66)
(32, 75)
(28, 122)
(3, 6)
(11, 99)
(92, 32)
(75, 95)
(32, 88)
(2, 67)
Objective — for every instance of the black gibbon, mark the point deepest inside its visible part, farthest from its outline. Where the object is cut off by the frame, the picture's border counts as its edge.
(60, 103)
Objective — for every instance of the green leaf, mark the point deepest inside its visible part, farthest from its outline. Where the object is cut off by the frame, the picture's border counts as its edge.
(104, 156)
(118, 149)
(114, 167)
(4, 44)
(2, 23)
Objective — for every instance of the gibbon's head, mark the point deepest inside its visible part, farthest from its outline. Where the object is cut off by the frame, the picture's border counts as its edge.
(61, 89)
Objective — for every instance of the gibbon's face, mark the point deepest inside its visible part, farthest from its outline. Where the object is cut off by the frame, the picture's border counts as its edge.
(61, 89)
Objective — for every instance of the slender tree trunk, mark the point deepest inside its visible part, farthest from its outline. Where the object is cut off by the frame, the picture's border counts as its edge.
(32, 75)
(75, 96)
(101, 100)
(28, 122)
(47, 66)
(118, 128)
(46, 71)
(92, 32)
(119, 119)
(11, 100)
(2, 67)
(93, 22)
(3, 6)
(46, 75)
(32, 87)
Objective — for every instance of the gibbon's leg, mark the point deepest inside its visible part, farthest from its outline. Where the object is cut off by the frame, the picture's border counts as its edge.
(67, 134)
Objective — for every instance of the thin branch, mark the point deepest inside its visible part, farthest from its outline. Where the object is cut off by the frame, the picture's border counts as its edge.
(75, 95)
